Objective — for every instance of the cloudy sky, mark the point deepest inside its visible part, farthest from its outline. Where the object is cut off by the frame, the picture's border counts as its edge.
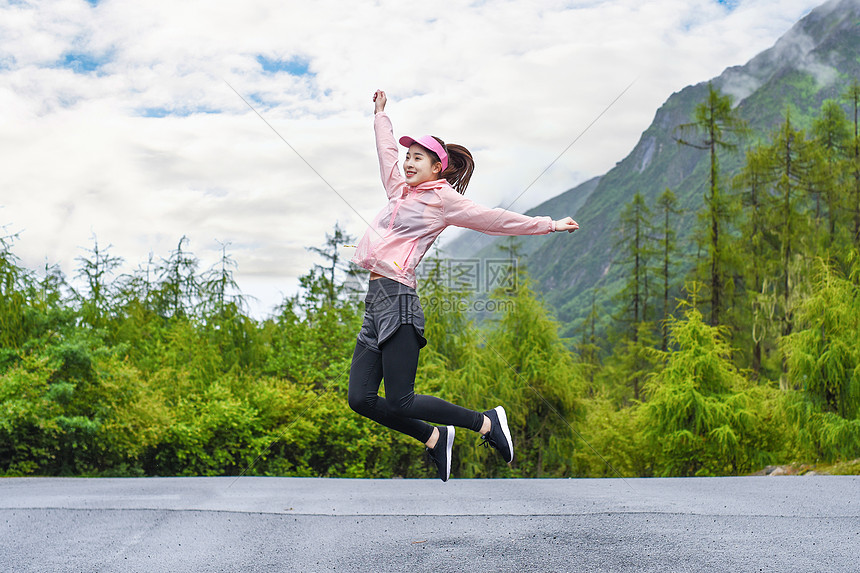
(119, 119)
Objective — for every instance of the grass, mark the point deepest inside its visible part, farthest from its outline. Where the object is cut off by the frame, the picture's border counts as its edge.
(849, 468)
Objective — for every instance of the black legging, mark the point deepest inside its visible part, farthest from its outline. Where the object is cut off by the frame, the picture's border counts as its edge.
(401, 409)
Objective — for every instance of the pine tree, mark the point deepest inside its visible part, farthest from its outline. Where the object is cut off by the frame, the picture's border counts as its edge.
(823, 362)
(853, 97)
(823, 355)
(588, 349)
(701, 416)
(223, 308)
(755, 180)
(95, 270)
(12, 300)
(220, 294)
(793, 165)
(330, 252)
(832, 136)
(316, 330)
(668, 205)
(721, 127)
(634, 229)
(178, 285)
(529, 370)
(445, 301)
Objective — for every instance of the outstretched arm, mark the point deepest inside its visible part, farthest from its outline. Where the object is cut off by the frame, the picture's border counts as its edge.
(462, 212)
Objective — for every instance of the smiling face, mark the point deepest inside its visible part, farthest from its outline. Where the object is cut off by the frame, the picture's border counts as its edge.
(420, 166)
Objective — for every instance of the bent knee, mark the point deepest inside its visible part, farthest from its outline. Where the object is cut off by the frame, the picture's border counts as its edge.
(360, 404)
(402, 406)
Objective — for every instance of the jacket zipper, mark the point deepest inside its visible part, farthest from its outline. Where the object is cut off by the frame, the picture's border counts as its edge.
(391, 225)
(409, 256)
(394, 213)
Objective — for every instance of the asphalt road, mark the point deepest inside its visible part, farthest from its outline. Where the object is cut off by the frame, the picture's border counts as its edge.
(296, 524)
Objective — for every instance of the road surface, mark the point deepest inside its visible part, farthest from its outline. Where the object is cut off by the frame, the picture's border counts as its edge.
(306, 524)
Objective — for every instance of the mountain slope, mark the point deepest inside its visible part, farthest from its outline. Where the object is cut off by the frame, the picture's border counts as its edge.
(817, 59)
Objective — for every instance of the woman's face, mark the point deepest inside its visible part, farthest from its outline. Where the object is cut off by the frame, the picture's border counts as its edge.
(419, 166)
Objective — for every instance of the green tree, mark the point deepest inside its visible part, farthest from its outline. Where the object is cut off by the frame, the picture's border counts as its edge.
(853, 97)
(823, 361)
(588, 348)
(312, 336)
(527, 368)
(667, 202)
(219, 291)
(631, 362)
(793, 166)
(445, 300)
(48, 313)
(12, 300)
(754, 246)
(720, 127)
(223, 308)
(94, 270)
(823, 355)
(701, 416)
(75, 408)
(138, 324)
(635, 230)
(832, 136)
(330, 252)
(177, 288)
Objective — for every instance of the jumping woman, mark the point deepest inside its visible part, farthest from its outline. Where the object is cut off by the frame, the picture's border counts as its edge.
(422, 201)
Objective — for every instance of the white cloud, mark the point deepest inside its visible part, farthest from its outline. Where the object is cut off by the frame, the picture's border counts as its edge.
(515, 81)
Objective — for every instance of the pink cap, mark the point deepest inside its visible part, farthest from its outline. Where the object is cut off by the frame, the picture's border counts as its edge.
(429, 142)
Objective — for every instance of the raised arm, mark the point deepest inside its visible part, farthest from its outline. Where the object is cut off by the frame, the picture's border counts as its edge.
(386, 147)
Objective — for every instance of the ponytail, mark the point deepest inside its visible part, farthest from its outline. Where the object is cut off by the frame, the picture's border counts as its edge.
(460, 165)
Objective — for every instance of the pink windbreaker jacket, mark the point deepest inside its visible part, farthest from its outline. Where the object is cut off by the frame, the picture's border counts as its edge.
(402, 233)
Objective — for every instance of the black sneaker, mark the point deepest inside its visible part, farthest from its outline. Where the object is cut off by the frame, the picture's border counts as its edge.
(441, 454)
(499, 435)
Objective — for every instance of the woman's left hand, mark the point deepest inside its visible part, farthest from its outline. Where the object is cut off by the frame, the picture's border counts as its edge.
(566, 224)
(379, 101)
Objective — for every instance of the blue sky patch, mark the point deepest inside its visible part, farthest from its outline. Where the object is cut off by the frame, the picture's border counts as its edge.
(82, 63)
(257, 99)
(155, 112)
(175, 112)
(294, 66)
(730, 4)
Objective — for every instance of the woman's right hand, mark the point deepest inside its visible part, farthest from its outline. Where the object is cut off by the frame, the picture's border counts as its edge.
(379, 100)
(566, 224)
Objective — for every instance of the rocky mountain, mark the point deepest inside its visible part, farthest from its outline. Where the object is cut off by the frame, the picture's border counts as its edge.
(817, 59)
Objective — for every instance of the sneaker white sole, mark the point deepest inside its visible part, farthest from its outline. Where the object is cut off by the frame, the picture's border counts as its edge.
(448, 448)
(503, 424)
